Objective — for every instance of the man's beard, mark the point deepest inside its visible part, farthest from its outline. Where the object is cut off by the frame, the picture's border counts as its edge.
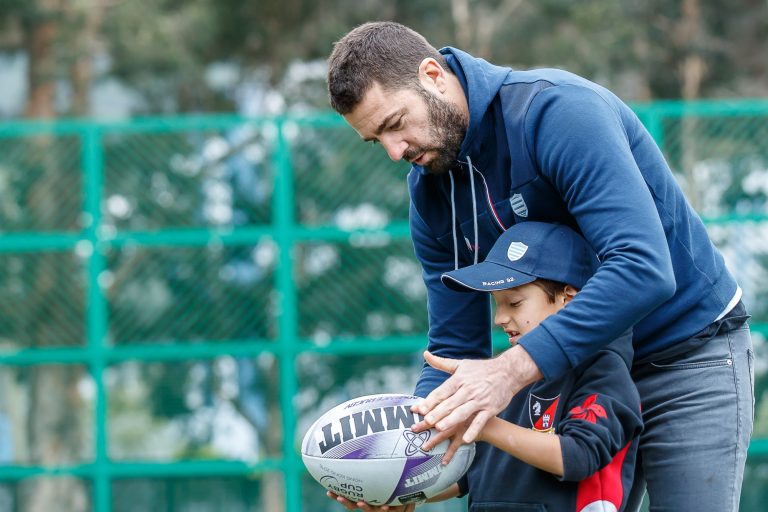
(447, 128)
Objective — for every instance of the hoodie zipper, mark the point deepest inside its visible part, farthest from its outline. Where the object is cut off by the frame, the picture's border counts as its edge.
(489, 202)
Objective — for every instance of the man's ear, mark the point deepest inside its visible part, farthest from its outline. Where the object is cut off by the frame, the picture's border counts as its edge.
(569, 292)
(432, 75)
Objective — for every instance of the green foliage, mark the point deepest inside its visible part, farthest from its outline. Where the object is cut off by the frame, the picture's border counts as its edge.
(163, 49)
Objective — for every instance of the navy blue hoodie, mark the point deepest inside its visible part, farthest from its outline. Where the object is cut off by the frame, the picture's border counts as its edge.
(549, 146)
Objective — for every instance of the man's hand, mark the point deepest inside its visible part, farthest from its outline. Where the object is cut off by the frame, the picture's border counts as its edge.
(477, 390)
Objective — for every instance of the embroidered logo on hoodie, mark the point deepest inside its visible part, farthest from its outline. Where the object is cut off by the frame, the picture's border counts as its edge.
(541, 412)
(588, 410)
(518, 205)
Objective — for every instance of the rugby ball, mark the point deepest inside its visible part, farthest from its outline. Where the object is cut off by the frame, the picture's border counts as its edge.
(365, 450)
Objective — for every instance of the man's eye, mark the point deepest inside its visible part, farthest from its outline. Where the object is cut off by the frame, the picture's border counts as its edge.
(397, 125)
(374, 141)
(516, 303)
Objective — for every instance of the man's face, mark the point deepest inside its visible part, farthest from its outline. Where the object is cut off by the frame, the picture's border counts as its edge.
(417, 126)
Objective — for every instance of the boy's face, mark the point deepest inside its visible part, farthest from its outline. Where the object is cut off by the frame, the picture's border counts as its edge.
(520, 309)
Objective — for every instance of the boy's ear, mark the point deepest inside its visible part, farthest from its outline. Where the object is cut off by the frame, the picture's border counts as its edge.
(569, 292)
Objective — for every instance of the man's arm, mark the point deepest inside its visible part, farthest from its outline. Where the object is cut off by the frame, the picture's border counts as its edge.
(580, 140)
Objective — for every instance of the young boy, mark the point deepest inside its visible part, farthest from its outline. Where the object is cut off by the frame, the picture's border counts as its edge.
(572, 439)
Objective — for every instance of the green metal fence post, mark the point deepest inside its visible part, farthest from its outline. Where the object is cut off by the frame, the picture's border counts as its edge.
(284, 224)
(96, 320)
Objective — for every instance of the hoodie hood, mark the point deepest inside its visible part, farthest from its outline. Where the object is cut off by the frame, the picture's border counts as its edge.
(481, 81)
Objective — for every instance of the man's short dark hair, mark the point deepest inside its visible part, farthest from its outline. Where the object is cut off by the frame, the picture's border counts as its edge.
(381, 51)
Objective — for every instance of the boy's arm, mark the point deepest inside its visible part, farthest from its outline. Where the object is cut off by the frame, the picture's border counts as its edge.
(451, 492)
(539, 449)
(601, 417)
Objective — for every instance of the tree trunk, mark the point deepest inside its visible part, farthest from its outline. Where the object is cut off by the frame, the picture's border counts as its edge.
(56, 413)
(475, 30)
(81, 70)
(56, 438)
(272, 485)
(692, 69)
(462, 23)
(41, 77)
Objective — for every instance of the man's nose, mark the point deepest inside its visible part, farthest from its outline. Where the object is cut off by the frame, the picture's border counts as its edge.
(395, 148)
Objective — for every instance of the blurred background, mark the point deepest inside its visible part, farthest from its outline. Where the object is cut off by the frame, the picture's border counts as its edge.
(197, 258)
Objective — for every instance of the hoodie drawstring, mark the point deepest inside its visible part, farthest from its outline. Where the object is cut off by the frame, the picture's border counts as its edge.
(476, 248)
(474, 204)
(453, 225)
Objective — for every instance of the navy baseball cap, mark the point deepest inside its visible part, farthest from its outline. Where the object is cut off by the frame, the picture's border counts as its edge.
(525, 252)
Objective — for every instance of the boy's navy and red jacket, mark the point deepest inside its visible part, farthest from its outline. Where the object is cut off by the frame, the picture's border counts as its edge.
(595, 409)
(549, 146)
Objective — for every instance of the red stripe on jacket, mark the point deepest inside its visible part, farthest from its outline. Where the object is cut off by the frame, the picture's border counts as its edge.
(603, 485)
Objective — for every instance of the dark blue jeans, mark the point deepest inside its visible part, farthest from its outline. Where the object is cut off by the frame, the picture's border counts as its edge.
(698, 410)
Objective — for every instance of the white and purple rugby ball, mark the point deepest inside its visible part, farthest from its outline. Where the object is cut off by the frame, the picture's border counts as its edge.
(365, 450)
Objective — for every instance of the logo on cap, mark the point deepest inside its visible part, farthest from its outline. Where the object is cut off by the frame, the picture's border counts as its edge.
(516, 251)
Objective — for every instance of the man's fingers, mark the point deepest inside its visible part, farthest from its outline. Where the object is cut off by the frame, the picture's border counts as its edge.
(453, 411)
(481, 418)
(440, 411)
(440, 393)
(441, 363)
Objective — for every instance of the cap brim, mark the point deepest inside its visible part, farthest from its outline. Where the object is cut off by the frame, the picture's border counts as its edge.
(485, 277)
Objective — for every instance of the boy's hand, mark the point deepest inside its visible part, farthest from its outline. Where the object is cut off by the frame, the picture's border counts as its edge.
(370, 508)
(455, 434)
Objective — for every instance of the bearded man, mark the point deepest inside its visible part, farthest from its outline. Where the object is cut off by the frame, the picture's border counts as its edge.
(491, 146)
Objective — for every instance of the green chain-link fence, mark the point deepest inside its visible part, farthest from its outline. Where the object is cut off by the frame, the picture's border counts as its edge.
(181, 297)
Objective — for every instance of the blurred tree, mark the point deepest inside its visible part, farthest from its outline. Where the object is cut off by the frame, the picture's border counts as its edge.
(170, 51)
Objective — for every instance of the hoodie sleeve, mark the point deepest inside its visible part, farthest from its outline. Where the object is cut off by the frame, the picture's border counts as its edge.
(600, 418)
(581, 145)
(459, 323)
